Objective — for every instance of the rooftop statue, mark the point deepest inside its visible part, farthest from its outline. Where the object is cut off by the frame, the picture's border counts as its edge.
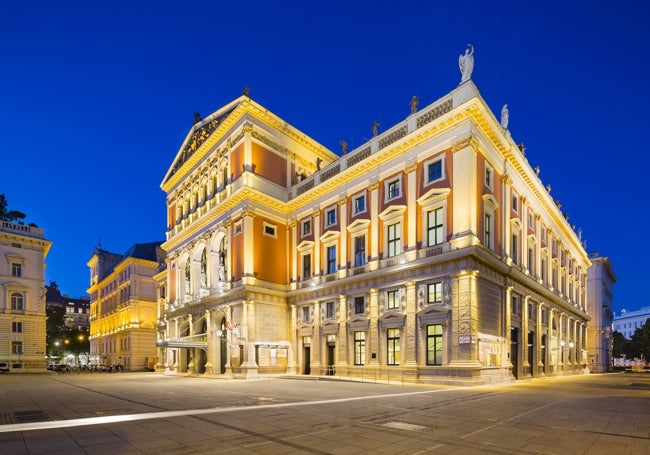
(466, 64)
(505, 114)
(415, 101)
(375, 128)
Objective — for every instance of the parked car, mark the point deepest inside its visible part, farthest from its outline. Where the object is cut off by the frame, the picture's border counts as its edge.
(61, 368)
(4, 367)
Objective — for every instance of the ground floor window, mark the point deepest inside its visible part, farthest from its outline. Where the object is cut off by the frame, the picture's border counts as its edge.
(393, 347)
(434, 344)
(359, 348)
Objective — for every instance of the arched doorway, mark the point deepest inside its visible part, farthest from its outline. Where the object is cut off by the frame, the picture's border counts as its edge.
(223, 347)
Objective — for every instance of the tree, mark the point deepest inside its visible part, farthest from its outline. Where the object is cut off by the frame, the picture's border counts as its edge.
(620, 345)
(55, 330)
(640, 342)
(9, 215)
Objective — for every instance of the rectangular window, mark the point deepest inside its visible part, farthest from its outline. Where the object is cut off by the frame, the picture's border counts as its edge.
(330, 310)
(359, 305)
(434, 293)
(488, 177)
(394, 240)
(393, 189)
(330, 217)
(392, 300)
(434, 171)
(515, 241)
(17, 347)
(544, 278)
(16, 270)
(359, 204)
(305, 314)
(393, 346)
(16, 327)
(515, 203)
(434, 344)
(531, 261)
(359, 348)
(359, 250)
(488, 231)
(331, 259)
(435, 227)
(306, 227)
(17, 301)
(269, 230)
(306, 267)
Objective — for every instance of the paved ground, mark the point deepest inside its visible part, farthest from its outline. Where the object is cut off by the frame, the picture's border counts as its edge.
(147, 413)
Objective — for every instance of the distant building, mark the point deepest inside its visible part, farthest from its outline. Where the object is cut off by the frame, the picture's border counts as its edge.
(432, 252)
(600, 300)
(22, 296)
(628, 321)
(77, 311)
(123, 307)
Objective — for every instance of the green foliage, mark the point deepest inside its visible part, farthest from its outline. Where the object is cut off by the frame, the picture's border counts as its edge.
(640, 342)
(9, 215)
(620, 346)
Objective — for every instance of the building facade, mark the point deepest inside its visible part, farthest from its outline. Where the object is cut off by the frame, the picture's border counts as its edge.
(600, 298)
(23, 250)
(123, 307)
(433, 252)
(76, 310)
(628, 321)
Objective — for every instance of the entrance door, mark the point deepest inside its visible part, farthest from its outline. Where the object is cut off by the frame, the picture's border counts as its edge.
(223, 352)
(330, 359)
(514, 351)
(307, 357)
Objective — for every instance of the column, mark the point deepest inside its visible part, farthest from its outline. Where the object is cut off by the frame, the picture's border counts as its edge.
(372, 343)
(293, 251)
(373, 195)
(410, 327)
(523, 349)
(248, 253)
(318, 342)
(343, 239)
(538, 339)
(292, 364)
(209, 350)
(507, 323)
(464, 343)
(317, 248)
(343, 335)
(411, 211)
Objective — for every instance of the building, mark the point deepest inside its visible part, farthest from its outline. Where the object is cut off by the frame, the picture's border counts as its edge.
(600, 301)
(123, 307)
(23, 249)
(76, 310)
(628, 321)
(433, 252)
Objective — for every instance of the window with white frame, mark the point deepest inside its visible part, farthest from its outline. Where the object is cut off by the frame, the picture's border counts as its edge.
(435, 227)
(531, 260)
(359, 250)
(515, 203)
(306, 266)
(16, 269)
(359, 204)
(393, 346)
(434, 344)
(489, 176)
(305, 227)
(270, 230)
(487, 236)
(359, 348)
(434, 293)
(392, 300)
(331, 259)
(17, 301)
(393, 188)
(330, 217)
(514, 248)
(394, 234)
(330, 310)
(434, 170)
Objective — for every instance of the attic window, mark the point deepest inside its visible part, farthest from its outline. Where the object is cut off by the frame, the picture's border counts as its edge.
(270, 230)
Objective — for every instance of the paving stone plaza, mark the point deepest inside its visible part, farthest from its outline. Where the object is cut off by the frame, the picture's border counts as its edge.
(147, 413)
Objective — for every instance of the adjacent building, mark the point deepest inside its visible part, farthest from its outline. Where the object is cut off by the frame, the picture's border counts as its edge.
(23, 249)
(123, 307)
(76, 310)
(628, 321)
(433, 252)
(600, 298)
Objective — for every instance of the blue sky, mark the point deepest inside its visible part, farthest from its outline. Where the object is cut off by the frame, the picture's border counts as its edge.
(96, 100)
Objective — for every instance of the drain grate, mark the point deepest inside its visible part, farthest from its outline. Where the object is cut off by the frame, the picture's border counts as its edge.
(30, 416)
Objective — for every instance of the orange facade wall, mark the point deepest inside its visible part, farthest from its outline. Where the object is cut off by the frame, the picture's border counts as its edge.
(237, 161)
(237, 256)
(269, 165)
(270, 252)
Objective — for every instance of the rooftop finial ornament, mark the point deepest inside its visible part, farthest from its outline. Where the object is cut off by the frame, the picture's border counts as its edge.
(466, 64)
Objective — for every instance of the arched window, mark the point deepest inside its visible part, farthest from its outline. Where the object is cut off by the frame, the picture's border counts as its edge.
(222, 260)
(17, 302)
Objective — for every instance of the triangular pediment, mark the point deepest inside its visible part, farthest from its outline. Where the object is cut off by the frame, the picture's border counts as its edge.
(434, 195)
(198, 134)
(392, 211)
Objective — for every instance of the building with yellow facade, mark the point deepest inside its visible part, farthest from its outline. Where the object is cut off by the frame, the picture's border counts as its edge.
(433, 252)
(123, 307)
(23, 249)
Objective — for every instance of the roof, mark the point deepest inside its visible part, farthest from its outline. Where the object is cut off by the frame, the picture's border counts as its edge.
(145, 251)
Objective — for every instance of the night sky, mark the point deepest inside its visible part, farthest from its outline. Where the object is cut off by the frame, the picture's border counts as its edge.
(95, 101)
